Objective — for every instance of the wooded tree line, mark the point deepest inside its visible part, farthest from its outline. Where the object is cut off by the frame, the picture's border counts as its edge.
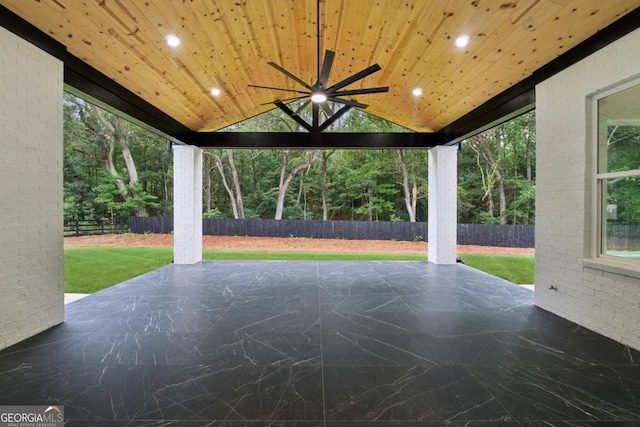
(113, 168)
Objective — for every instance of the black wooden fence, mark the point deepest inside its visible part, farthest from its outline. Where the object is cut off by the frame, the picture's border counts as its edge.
(81, 227)
(516, 236)
(623, 238)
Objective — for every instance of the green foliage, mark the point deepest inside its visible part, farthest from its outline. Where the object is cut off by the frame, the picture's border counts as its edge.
(108, 195)
(361, 185)
(623, 154)
(90, 190)
(624, 193)
(213, 213)
(501, 159)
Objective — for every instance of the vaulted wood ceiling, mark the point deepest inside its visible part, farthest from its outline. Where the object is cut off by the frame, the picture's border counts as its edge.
(227, 44)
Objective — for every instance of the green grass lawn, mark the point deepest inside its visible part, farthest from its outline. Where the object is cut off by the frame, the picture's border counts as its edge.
(90, 269)
(309, 256)
(518, 269)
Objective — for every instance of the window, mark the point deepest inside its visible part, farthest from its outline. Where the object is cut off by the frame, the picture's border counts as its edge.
(618, 173)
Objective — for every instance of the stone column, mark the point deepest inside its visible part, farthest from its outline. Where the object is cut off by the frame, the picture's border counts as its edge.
(187, 204)
(443, 186)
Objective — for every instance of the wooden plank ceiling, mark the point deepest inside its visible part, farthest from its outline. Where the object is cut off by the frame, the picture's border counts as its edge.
(227, 44)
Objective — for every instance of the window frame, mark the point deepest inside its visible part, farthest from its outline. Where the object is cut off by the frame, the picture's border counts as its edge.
(599, 179)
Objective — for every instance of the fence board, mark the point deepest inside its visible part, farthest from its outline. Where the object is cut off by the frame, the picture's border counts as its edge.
(77, 227)
(517, 236)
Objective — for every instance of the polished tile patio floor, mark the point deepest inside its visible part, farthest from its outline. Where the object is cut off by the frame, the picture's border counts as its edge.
(310, 344)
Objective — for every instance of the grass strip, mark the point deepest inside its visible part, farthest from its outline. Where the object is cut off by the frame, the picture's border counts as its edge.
(309, 256)
(90, 269)
(518, 269)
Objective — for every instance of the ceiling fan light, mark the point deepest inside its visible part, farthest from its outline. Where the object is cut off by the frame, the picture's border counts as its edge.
(318, 97)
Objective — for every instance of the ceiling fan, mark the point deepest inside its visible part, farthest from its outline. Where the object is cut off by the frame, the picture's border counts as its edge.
(320, 93)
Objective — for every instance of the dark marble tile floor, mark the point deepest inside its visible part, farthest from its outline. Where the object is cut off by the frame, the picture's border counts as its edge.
(311, 344)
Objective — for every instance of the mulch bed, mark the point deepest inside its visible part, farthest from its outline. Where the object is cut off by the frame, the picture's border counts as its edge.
(296, 244)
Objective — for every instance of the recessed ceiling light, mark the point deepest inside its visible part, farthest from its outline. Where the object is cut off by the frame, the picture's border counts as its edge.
(417, 91)
(462, 41)
(173, 41)
(215, 91)
(318, 97)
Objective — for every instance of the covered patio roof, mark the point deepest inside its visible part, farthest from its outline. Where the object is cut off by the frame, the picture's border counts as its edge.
(115, 52)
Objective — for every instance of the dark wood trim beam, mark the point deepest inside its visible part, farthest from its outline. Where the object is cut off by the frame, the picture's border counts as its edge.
(24, 29)
(87, 80)
(289, 112)
(316, 140)
(331, 120)
(510, 103)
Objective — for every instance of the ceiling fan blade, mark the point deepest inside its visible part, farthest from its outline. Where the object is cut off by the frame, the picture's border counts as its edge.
(284, 100)
(349, 103)
(328, 111)
(293, 115)
(329, 55)
(331, 120)
(277, 88)
(361, 75)
(362, 91)
(302, 107)
(283, 71)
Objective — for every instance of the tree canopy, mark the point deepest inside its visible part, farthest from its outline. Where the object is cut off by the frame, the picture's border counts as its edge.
(115, 168)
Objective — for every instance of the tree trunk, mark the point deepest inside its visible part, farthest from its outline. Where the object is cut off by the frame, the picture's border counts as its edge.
(281, 189)
(481, 145)
(414, 199)
(490, 207)
(111, 167)
(232, 197)
(501, 197)
(115, 134)
(528, 154)
(207, 181)
(132, 172)
(300, 190)
(410, 197)
(236, 184)
(325, 210)
(284, 182)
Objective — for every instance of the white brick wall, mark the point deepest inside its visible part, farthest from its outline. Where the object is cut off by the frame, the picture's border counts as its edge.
(187, 204)
(443, 187)
(605, 302)
(31, 257)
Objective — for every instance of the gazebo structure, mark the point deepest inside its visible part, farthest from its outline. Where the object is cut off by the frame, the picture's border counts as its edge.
(188, 69)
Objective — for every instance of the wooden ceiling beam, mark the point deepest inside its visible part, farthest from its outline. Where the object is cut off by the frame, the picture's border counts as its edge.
(316, 140)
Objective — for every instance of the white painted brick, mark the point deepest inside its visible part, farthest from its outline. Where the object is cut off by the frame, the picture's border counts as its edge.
(604, 302)
(187, 207)
(443, 183)
(31, 192)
